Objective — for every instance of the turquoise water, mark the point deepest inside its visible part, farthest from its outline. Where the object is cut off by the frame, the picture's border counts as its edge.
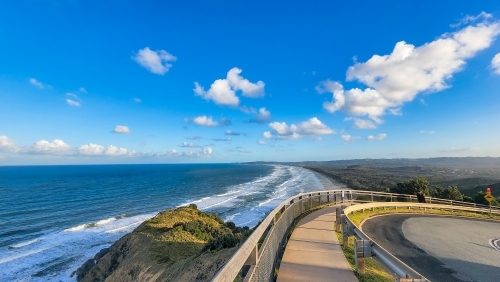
(54, 218)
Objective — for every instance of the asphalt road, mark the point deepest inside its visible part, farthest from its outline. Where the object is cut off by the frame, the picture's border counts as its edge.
(440, 248)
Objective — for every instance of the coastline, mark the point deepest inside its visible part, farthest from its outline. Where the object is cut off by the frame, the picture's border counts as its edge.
(326, 182)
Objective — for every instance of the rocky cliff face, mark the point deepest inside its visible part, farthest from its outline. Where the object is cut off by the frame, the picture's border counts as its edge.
(176, 245)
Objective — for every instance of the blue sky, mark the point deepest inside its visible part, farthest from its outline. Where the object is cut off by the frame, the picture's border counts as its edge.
(225, 81)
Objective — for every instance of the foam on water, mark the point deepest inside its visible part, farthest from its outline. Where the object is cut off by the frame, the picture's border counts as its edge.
(56, 254)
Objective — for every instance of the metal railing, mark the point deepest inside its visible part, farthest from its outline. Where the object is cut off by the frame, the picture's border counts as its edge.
(257, 258)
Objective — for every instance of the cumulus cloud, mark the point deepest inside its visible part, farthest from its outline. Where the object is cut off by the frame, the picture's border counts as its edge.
(495, 63)
(91, 149)
(205, 152)
(312, 126)
(188, 145)
(379, 137)
(205, 121)
(37, 83)
(57, 146)
(229, 132)
(267, 135)
(348, 138)
(209, 122)
(223, 91)
(395, 79)
(262, 116)
(122, 129)
(262, 142)
(8, 145)
(157, 62)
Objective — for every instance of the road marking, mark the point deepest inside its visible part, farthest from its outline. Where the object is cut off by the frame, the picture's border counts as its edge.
(495, 243)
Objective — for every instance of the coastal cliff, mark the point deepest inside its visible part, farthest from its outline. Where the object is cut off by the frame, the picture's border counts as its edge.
(183, 244)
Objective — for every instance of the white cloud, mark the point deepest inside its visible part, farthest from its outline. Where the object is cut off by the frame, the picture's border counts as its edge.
(248, 89)
(495, 63)
(57, 147)
(262, 116)
(312, 126)
(223, 91)
(188, 145)
(111, 151)
(205, 152)
(469, 19)
(82, 90)
(379, 137)
(238, 150)
(74, 100)
(91, 149)
(37, 83)
(348, 138)
(229, 132)
(248, 110)
(261, 142)
(205, 121)
(115, 151)
(427, 132)
(395, 79)
(363, 123)
(73, 103)
(137, 100)
(267, 135)
(155, 61)
(8, 145)
(122, 129)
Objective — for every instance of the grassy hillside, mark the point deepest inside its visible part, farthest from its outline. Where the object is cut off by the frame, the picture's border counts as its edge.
(183, 244)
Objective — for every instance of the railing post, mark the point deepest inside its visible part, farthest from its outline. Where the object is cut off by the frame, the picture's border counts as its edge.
(328, 197)
(337, 219)
(372, 196)
(358, 256)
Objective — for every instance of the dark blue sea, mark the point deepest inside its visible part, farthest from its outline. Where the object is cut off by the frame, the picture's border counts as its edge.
(54, 218)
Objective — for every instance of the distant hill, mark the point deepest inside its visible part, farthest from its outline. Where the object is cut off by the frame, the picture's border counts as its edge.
(468, 174)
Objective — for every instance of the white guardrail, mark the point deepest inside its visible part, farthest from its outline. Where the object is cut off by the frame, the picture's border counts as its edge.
(257, 258)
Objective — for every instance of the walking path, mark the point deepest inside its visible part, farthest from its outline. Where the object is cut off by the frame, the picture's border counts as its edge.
(313, 252)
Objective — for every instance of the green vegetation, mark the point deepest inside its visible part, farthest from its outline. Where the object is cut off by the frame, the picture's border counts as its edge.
(373, 271)
(469, 175)
(359, 216)
(186, 231)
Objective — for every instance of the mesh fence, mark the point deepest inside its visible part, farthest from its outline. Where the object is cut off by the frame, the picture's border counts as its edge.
(265, 268)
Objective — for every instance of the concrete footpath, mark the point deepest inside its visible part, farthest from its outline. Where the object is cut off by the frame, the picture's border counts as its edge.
(313, 252)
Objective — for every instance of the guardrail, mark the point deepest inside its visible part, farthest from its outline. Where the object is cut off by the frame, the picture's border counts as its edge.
(257, 257)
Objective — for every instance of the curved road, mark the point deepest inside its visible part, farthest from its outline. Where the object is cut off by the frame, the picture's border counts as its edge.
(440, 248)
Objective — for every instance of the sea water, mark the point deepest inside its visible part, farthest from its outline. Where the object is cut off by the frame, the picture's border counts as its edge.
(54, 218)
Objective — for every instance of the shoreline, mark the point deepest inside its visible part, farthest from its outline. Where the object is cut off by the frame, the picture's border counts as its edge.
(326, 182)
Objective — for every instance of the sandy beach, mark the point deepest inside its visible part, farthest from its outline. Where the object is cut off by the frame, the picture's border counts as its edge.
(327, 183)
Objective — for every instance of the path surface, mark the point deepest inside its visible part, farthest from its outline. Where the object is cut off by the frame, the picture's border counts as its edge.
(313, 252)
(440, 248)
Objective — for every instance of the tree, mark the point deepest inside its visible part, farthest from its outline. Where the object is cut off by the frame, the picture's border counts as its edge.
(479, 199)
(411, 187)
(450, 193)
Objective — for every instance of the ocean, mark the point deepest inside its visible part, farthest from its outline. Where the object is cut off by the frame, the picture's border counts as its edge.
(54, 218)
